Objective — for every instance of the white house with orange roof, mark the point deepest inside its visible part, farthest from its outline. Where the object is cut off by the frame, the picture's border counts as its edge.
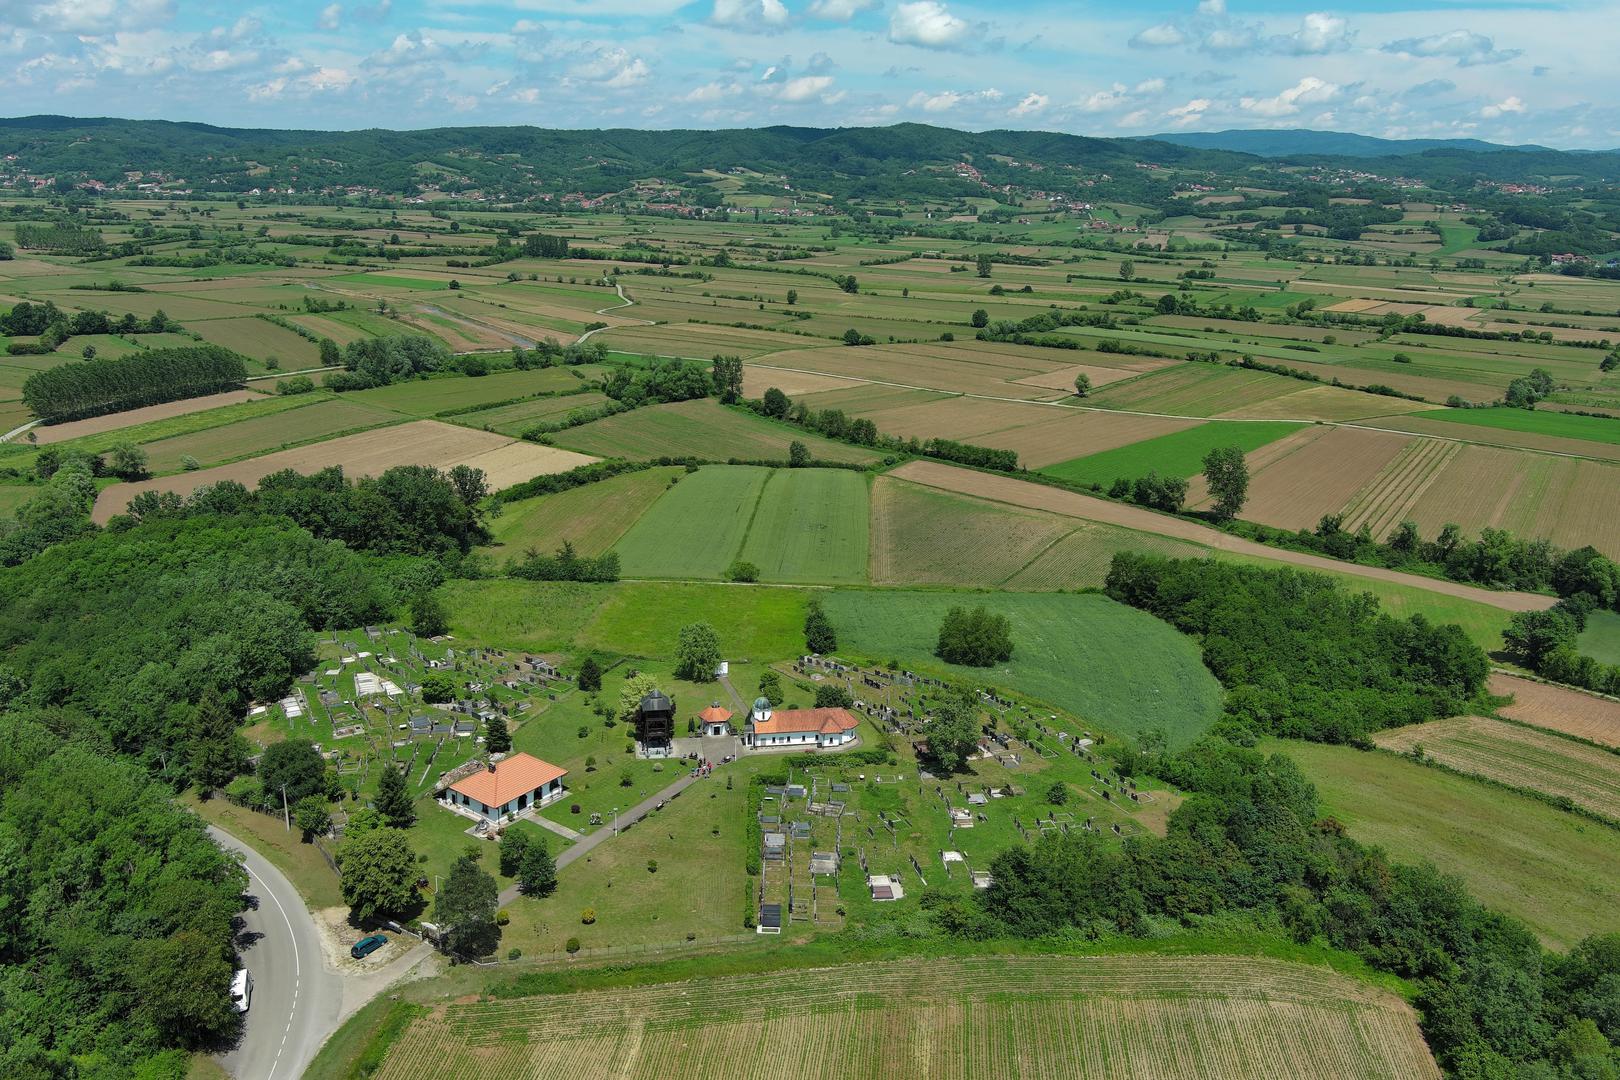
(517, 783)
(820, 728)
(715, 720)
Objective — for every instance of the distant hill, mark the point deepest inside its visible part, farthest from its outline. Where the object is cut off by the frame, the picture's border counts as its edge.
(1303, 142)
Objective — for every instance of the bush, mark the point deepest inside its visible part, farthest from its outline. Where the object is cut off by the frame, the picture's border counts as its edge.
(588, 916)
(741, 571)
(975, 638)
(572, 946)
(502, 917)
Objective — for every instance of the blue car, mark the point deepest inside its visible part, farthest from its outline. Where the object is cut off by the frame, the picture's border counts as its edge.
(367, 945)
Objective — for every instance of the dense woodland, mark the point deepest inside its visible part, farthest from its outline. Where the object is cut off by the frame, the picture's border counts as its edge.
(148, 377)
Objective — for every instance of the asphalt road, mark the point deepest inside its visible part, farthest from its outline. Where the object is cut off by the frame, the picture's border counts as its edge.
(296, 1002)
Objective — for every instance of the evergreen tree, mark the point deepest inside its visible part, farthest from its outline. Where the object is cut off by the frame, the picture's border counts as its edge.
(497, 739)
(537, 871)
(465, 909)
(428, 617)
(590, 674)
(216, 754)
(393, 802)
(819, 635)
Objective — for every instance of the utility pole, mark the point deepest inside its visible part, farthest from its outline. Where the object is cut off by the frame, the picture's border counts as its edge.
(615, 821)
(285, 816)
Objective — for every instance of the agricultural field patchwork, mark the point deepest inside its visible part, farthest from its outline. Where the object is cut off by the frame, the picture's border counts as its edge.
(1556, 708)
(1518, 756)
(701, 429)
(1178, 454)
(1042, 1016)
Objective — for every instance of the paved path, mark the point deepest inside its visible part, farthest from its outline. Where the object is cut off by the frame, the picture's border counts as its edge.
(14, 432)
(626, 819)
(561, 830)
(616, 307)
(1010, 490)
(296, 1000)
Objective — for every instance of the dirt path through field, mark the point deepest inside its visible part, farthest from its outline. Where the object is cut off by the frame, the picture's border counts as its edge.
(1006, 489)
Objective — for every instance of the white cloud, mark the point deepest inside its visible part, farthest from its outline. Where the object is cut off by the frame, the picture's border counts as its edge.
(929, 24)
(1510, 104)
(1319, 33)
(614, 68)
(1190, 113)
(1464, 46)
(804, 88)
(842, 10)
(1118, 96)
(1308, 91)
(712, 92)
(413, 48)
(95, 16)
(1162, 36)
(754, 16)
(331, 17)
(1031, 104)
(946, 100)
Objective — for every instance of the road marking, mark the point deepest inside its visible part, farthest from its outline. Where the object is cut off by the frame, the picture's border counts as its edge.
(297, 971)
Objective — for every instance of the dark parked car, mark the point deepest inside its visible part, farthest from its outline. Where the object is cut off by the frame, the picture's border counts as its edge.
(367, 945)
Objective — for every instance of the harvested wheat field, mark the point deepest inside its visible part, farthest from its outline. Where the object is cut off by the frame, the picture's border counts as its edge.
(1022, 493)
(1567, 501)
(925, 537)
(1304, 478)
(424, 442)
(95, 425)
(1063, 378)
(1586, 716)
(1324, 403)
(1149, 1016)
(1388, 499)
(1521, 757)
(757, 380)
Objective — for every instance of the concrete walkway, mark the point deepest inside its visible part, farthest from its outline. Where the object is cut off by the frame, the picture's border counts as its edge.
(551, 826)
(629, 817)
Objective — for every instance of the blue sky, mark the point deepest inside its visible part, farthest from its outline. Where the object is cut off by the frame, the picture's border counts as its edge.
(1505, 71)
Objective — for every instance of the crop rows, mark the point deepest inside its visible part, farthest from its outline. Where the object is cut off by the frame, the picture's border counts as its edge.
(1034, 1017)
(1385, 502)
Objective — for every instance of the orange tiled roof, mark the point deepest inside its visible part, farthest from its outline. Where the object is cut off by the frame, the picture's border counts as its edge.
(824, 721)
(714, 714)
(517, 774)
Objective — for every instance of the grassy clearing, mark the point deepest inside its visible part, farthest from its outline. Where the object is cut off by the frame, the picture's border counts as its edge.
(1180, 453)
(509, 614)
(1110, 665)
(1539, 422)
(592, 517)
(1600, 640)
(301, 862)
(428, 397)
(1080, 1017)
(1552, 869)
(696, 529)
(810, 526)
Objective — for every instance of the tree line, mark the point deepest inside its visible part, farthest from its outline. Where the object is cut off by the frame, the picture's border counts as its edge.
(150, 377)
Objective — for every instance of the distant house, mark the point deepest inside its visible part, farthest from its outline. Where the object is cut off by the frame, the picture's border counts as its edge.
(512, 785)
(715, 720)
(820, 728)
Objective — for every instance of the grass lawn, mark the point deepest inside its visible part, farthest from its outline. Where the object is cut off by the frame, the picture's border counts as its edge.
(696, 529)
(1108, 664)
(512, 614)
(1565, 425)
(593, 517)
(301, 862)
(1180, 453)
(1550, 868)
(810, 525)
(1601, 638)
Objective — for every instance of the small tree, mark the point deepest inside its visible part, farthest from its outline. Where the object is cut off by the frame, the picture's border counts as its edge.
(590, 674)
(1227, 475)
(798, 455)
(428, 617)
(742, 571)
(697, 653)
(514, 845)
(983, 264)
(393, 802)
(215, 753)
(497, 738)
(770, 687)
(776, 403)
(293, 765)
(466, 908)
(438, 688)
(330, 356)
(975, 638)
(792, 297)
(981, 318)
(631, 692)
(1082, 385)
(953, 733)
(819, 635)
(831, 695)
(312, 816)
(1058, 793)
(537, 873)
(126, 460)
(378, 873)
(1127, 270)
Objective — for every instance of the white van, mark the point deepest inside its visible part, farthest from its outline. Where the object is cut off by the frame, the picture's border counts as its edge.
(242, 990)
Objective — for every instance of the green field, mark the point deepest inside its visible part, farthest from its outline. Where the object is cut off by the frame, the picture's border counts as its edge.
(810, 526)
(592, 517)
(1105, 663)
(1181, 453)
(701, 429)
(427, 397)
(1601, 638)
(1554, 870)
(696, 529)
(1565, 425)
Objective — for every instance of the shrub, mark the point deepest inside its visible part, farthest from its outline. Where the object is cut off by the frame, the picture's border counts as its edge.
(502, 917)
(588, 916)
(572, 946)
